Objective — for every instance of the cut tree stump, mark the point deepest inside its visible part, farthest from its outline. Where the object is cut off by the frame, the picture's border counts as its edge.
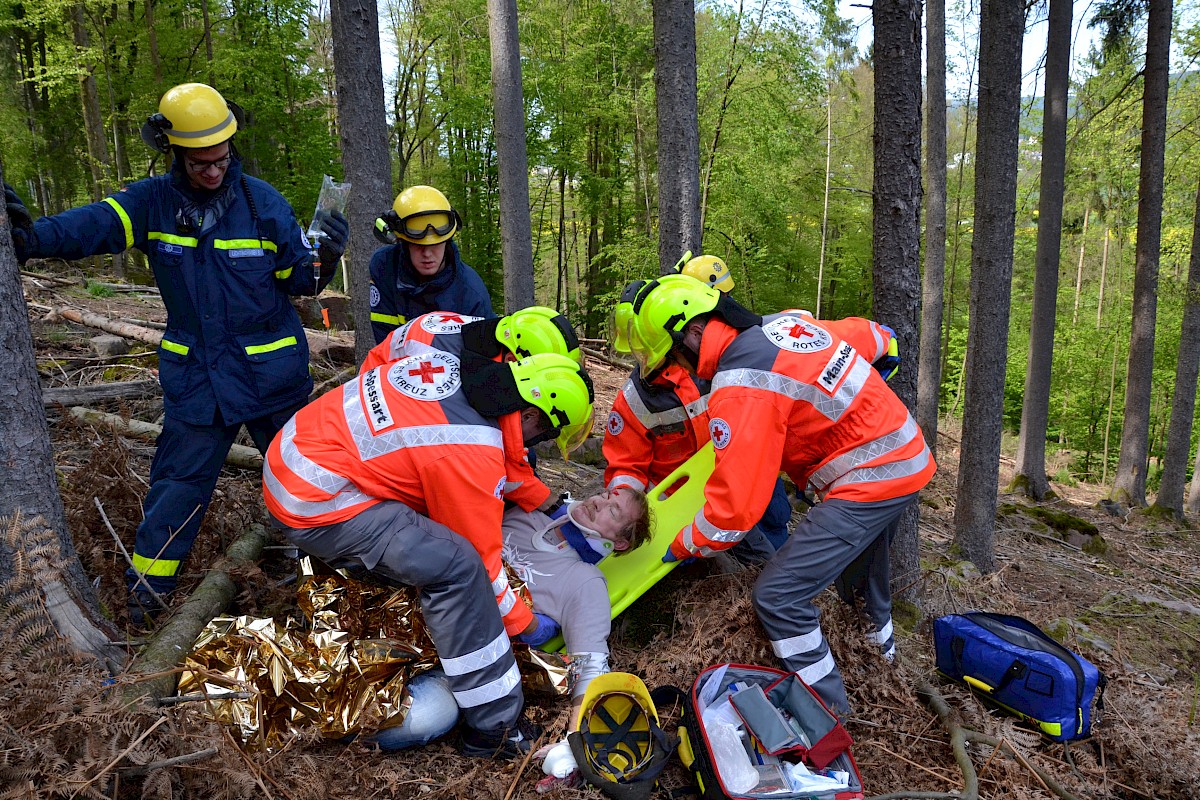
(99, 393)
(239, 455)
(170, 645)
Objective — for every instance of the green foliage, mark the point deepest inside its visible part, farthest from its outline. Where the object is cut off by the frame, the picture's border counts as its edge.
(98, 290)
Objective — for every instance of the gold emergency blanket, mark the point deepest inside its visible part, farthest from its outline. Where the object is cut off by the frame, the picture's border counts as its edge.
(344, 673)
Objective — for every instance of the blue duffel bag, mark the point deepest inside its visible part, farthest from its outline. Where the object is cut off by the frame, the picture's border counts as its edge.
(1013, 664)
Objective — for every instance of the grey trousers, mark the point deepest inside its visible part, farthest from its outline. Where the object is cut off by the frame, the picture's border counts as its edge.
(836, 539)
(401, 546)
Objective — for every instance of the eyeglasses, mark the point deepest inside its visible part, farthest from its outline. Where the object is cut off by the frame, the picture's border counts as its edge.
(201, 166)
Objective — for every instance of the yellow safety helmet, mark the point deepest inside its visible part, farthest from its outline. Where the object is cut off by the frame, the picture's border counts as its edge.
(562, 389)
(618, 741)
(192, 115)
(710, 270)
(538, 329)
(421, 215)
(661, 310)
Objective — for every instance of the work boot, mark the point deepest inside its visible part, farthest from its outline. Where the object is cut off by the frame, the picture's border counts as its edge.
(143, 609)
(506, 743)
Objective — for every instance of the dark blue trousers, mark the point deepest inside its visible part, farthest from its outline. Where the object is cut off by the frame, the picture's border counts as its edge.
(184, 472)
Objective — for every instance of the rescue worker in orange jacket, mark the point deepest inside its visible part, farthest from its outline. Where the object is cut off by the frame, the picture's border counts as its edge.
(658, 423)
(401, 474)
(794, 393)
(523, 333)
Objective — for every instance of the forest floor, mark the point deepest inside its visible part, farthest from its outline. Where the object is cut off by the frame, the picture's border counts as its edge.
(1125, 593)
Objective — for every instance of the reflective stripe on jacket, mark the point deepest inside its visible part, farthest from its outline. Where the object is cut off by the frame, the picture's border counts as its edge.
(799, 394)
(398, 294)
(442, 331)
(402, 432)
(654, 428)
(233, 340)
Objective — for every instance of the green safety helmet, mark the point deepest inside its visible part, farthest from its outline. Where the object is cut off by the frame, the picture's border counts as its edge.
(621, 316)
(538, 329)
(618, 741)
(562, 389)
(661, 310)
(710, 270)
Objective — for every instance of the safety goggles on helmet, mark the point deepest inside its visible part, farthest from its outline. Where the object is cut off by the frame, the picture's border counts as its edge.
(621, 314)
(649, 348)
(426, 223)
(574, 435)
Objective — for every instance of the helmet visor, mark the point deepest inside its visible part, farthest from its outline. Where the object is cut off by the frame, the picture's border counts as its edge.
(650, 351)
(426, 223)
(572, 436)
(618, 323)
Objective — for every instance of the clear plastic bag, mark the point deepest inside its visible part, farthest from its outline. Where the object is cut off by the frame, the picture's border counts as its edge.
(332, 198)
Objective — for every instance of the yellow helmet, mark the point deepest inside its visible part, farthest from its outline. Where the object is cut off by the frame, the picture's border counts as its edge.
(618, 739)
(421, 215)
(710, 270)
(661, 309)
(192, 115)
(623, 315)
(562, 389)
(538, 329)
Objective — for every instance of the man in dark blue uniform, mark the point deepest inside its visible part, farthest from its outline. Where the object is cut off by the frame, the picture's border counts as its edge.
(420, 270)
(226, 251)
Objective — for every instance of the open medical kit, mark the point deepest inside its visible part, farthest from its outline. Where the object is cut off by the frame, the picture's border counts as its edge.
(757, 732)
(1013, 664)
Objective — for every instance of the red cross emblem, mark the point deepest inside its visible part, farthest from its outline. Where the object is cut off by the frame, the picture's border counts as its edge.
(798, 330)
(427, 370)
(452, 318)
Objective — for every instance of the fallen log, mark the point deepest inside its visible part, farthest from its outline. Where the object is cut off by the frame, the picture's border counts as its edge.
(619, 363)
(167, 648)
(127, 287)
(99, 393)
(239, 455)
(108, 325)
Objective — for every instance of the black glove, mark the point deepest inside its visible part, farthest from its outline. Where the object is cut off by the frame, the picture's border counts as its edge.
(333, 243)
(21, 221)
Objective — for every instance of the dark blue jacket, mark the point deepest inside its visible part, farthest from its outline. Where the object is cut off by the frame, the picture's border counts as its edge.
(397, 295)
(233, 341)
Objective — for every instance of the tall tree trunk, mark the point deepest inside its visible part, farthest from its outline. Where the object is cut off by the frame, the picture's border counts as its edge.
(30, 486)
(362, 129)
(93, 123)
(896, 214)
(678, 131)
(1129, 484)
(1035, 412)
(1001, 31)
(152, 38)
(933, 282)
(515, 236)
(1183, 406)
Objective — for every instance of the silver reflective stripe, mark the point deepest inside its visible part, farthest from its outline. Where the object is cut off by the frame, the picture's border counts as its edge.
(884, 472)
(406, 349)
(479, 659)
(690, 544)
(506, 601)
(880, 347)
(648, 418)
(501, 582)
(489, 692)
(882, 635)
(831, 407)
(697, 407)
(305, 508)
(396, 349)
(626, 480)
(372, 445)
(860, 455)
(199, 134)
(512, 486)
(815, 672)
(714, 533)
(795, 645)
(305, 468)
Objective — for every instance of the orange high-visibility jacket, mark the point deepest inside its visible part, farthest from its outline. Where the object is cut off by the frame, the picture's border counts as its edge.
(403, 431)
(442, 331)
(799, 394)
(654, 427)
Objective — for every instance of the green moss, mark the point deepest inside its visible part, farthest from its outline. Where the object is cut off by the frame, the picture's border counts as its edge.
(1096, 545)
(1058, 629)
(1062, 521)
(906, 615)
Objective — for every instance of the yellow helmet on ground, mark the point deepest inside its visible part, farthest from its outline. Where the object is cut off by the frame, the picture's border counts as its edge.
(538, 329)
(421, 215)
(192, 115)
(562, 389)
(710, 270)
(618, 741)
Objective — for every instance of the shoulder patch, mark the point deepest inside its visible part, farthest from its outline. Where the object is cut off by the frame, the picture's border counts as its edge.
(430, 376)
(615, 424)
(835, 369)
(374, 296)
(720, 433)
(499, 490)
(444, 322)
(797, 334)
(304, 237)
(376, 404)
